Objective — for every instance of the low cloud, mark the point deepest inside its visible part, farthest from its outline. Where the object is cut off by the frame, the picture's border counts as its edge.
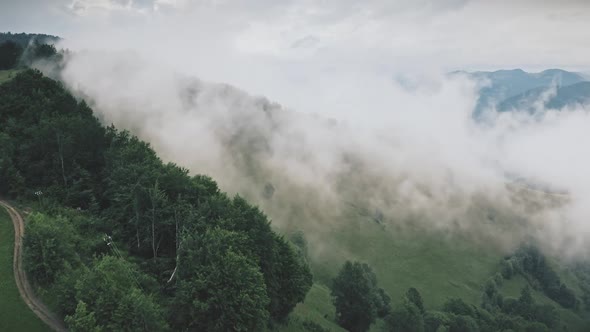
(401, 155)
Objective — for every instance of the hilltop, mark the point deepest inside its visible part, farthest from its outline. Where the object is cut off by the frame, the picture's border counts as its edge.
(401, 256)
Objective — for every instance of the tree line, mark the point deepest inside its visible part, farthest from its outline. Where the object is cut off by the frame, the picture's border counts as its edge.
(24, 39)
(360, 302)
(18, 51)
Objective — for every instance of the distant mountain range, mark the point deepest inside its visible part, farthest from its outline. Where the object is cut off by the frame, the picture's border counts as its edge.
(529, 101)
(517, 90)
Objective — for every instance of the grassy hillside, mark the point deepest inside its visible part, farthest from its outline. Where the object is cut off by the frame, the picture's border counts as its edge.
(437, 265)
(317, 309)
(440, 266)
(14, 313)
(573, 321)
(6, 75)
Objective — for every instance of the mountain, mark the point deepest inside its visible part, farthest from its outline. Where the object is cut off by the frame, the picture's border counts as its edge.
(241, 275)
(117, 232)
(529, 101)
(501, 85)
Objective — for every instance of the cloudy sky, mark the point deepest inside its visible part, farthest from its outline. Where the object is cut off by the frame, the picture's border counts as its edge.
(288, 43)
(448, 33)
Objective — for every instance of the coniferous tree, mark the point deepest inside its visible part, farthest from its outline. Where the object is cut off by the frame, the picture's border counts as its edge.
(357, 298)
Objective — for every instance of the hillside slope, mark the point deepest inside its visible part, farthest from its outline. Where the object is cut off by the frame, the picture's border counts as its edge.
(117, 212)
(87, 182)
(440, 265)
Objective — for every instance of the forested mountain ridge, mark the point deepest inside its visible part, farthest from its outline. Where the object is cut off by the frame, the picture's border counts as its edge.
(128, 242)
(23, 39)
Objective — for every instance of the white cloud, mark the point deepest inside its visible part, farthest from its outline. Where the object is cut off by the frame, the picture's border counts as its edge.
(448, 34)
(251, 44)
(413, 152)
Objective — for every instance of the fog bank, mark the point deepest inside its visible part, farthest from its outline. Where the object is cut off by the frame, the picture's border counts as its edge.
(406, 154)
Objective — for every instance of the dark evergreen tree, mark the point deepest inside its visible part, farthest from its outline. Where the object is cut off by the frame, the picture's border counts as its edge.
(408, 318)
(414, 296)
(357, 298)
(10, 53)
(462, 323)
(458, 307)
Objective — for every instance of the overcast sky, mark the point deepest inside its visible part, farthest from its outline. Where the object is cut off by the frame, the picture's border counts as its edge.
(273, 47)
(449, 33)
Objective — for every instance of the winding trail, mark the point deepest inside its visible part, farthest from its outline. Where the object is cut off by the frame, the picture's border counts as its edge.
(20, 277)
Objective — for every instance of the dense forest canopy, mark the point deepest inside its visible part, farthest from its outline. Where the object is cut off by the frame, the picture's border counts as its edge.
(16, 53)
(130, 242)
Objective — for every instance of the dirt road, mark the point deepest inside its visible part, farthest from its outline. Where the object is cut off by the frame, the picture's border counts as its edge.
(22, 282)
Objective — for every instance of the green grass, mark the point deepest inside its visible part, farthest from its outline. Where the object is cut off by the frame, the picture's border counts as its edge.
(574, 321)
(14, 313)
(437, 265)
(317, 308)
(7, 75)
